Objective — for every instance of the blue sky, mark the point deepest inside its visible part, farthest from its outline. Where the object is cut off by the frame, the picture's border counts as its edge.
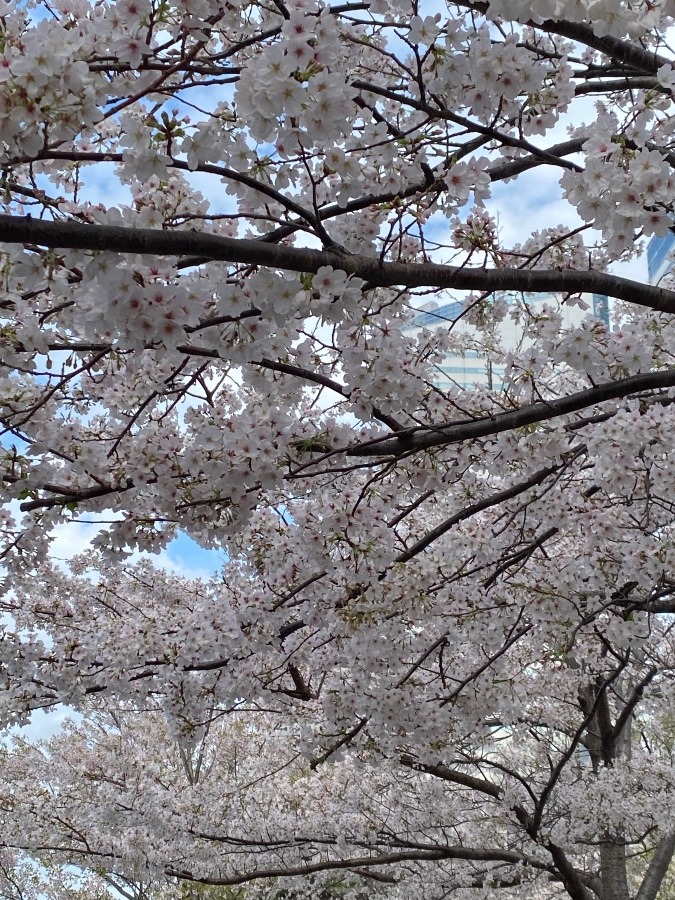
(185, 553)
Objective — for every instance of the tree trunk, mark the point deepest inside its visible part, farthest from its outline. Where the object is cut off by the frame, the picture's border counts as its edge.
(613, 870)
(657, 868)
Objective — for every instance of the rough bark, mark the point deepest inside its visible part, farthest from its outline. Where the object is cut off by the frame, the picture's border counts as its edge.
(658, 868)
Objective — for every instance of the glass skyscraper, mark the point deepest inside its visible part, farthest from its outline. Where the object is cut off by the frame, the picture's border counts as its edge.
(658, 256)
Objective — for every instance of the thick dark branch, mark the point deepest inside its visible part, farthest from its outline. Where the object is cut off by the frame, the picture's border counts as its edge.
(632, 55)
(384, 859)
(573, 880)
(482, 854)
(376, 876)
(640, 82)
(72, 495)
(465, 430)
(453, 775)
(500, 171)
(151, 241)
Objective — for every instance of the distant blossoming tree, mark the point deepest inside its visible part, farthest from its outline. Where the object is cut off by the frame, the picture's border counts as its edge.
(445, 616)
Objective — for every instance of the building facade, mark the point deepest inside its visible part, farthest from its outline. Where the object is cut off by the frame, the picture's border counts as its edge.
(659, 259)
(471, 368)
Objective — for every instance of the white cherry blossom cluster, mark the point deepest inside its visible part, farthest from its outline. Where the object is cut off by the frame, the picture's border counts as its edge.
(239, 243)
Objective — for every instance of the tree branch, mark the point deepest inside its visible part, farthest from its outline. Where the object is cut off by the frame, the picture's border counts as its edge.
(155, 242)
(384, 859)
(486, 503)
(421, 438)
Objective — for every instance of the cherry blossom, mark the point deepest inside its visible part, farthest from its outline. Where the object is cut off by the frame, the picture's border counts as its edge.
(438, 655)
